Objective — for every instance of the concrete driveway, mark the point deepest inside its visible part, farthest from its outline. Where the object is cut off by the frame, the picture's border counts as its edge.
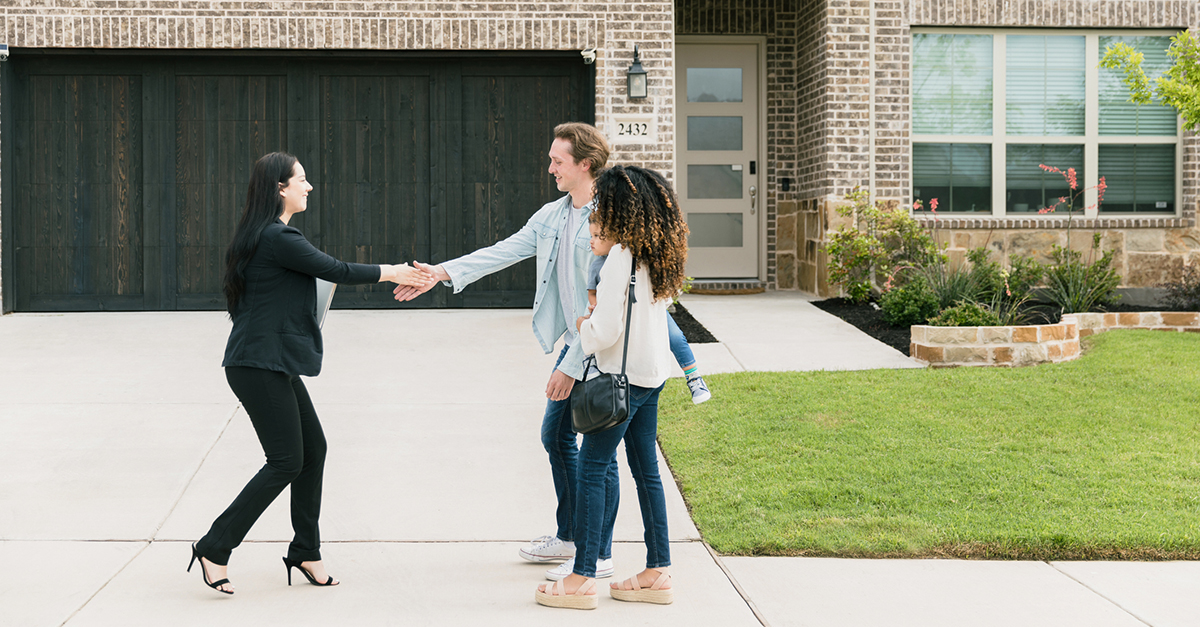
(122, 442)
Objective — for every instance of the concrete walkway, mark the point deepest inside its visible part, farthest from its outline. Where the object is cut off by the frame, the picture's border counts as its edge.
(122, 442)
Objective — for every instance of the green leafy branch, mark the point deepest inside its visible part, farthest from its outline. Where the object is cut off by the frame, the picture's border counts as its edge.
(1178, 88)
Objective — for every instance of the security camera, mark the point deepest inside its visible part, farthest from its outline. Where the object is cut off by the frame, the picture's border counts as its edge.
(589, 56)
(4, 52)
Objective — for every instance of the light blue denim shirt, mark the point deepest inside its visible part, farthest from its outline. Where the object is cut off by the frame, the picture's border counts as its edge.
(538, 237)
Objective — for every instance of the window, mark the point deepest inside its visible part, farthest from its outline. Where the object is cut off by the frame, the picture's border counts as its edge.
(989, 107)
(959, 175)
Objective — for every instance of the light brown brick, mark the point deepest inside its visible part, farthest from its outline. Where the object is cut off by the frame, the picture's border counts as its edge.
(1025, 334)
(1129, 319)
(931, 354)
(952, 335)
(1180, 319)
(966, 354)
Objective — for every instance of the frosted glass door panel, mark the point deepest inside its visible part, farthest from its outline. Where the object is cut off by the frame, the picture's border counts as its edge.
(715, 230)
(714, 132)
(714, 181)
(714, 84)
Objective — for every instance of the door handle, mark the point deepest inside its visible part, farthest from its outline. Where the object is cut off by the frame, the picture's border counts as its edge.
(753, 198)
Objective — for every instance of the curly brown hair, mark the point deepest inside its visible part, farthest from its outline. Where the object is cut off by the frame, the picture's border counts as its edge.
(637, 209)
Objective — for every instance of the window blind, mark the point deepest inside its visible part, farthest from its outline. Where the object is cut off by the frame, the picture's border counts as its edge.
(958, 175)
(952, 84)
(1045, 78)
(1140, 177)
(1119, 116)
(1029, 187)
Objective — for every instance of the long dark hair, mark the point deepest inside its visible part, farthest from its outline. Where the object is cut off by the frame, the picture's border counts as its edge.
(263, 206)
(637, 208)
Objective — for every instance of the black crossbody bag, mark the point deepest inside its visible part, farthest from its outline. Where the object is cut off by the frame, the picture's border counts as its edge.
(602, 402)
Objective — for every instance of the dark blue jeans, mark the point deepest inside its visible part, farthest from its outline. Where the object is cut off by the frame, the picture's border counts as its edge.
(597, 460)
(679, 344)
(560, 442)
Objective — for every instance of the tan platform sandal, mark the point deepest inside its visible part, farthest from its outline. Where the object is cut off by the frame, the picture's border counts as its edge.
(556, 596)
(631, 590)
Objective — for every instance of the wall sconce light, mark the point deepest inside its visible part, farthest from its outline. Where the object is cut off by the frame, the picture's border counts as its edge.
(635, 79)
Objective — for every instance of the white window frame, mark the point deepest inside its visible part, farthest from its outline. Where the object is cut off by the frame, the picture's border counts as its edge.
(1091, 139)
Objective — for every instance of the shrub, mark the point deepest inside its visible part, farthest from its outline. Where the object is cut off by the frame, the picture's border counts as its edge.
(1023, 274)
(1006, 291)
(882, 238)
(966, 314)
(909, 304)
(951, 285)
(1074, 286)
(1184, 294)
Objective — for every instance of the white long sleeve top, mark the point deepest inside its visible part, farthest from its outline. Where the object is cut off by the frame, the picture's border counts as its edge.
(603, 334)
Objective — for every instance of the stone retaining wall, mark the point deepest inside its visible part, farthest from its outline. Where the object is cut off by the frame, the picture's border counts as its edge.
(1032, 344)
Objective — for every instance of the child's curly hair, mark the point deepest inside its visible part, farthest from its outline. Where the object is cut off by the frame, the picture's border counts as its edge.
(637, 208)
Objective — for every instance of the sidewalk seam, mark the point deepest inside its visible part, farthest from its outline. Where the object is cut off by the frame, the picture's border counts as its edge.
(736, 586)
(1099, 594)
(145, 545)
(735, 357)
(188, 483)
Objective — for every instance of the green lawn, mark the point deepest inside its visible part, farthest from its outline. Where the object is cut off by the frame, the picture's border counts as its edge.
(1093, 459)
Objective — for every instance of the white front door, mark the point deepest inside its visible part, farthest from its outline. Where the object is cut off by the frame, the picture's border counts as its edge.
(717, 159)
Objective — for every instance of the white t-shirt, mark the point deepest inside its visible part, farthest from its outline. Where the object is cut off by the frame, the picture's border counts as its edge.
(565, 269)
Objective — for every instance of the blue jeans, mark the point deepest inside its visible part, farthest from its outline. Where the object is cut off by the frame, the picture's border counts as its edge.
(679, 345)
(559, 440)
(598, 459)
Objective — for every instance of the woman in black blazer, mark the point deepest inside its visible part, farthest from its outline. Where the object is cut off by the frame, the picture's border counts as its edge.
(271, 297)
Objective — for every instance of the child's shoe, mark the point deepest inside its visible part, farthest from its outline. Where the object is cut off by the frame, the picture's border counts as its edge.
(699, 390)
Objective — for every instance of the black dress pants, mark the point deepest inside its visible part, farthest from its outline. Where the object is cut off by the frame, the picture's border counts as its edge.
(291, 436)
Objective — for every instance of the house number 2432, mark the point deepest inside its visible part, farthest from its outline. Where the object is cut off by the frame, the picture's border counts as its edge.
(633, 129)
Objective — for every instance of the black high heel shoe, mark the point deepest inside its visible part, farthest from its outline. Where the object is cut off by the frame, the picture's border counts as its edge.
(215, 585)
(290, 564)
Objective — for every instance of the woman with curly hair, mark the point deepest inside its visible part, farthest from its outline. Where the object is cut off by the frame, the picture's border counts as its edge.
(638, 215)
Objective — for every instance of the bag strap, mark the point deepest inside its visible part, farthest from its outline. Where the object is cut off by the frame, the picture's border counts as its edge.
(629, 314)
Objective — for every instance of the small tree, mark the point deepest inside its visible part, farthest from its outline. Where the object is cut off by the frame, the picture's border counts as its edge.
(1179, 88)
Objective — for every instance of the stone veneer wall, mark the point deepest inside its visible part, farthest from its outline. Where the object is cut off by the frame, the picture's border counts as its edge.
(1033, 344)
(323, 25)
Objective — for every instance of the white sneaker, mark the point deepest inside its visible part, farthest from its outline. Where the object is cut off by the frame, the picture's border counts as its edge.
(548, 549)
(699, 390)
(604, 568)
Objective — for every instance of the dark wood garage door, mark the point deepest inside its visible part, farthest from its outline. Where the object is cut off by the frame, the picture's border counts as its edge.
(126, 175)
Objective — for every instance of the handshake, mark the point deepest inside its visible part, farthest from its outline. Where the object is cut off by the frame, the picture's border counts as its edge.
(412, 281)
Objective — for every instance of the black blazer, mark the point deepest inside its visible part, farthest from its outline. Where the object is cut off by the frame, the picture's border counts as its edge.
(275, 322)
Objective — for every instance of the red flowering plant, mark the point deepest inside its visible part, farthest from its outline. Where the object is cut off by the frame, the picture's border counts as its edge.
(1072, 284)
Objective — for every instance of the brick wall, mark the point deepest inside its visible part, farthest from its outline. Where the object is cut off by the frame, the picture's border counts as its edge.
(1149, 250)
(612, 27)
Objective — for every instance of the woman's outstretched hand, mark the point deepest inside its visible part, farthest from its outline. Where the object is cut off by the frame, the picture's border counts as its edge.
(404, 274)
(405, 292)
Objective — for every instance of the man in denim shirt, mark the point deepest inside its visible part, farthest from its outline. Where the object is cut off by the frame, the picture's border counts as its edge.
(558, 236)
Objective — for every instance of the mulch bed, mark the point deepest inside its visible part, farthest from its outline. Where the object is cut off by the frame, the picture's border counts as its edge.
(692, 329)
(868, 318)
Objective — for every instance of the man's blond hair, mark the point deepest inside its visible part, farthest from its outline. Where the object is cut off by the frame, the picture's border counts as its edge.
(587, 144)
